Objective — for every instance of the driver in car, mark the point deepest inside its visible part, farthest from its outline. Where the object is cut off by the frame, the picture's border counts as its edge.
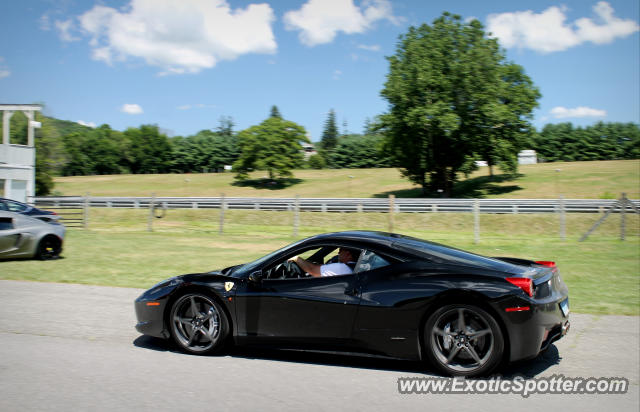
(346, 262)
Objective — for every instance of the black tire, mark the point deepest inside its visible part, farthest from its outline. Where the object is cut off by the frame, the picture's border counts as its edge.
(198, 324)
(48, 248)
(463, 340)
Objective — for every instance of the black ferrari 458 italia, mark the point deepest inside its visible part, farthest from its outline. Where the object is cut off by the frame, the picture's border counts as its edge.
(405, 298)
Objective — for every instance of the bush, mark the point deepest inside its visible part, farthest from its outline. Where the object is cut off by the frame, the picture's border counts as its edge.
(316, 161)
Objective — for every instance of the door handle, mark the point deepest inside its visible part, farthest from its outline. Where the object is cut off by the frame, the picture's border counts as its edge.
(352, 292)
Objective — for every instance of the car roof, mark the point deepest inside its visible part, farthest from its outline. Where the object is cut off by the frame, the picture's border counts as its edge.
(378, 237)
(420, 248)
(358, 235)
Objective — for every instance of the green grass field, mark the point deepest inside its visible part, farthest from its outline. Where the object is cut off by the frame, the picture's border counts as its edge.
(581, 180)
(602, 273)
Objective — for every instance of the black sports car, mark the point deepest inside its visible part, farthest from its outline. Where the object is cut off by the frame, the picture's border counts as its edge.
(406, 298)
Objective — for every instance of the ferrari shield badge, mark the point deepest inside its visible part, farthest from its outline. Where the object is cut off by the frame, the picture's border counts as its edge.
(228, 286)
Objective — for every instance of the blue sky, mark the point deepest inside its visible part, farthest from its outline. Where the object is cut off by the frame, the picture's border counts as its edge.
(184, 64)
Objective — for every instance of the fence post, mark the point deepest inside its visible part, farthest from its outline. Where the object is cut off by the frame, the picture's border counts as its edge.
(563, 220)
(623, 216)
(392, 199)
(476, 221)
(152, 212)
(222, 207)
(296, 216)
(85, 215)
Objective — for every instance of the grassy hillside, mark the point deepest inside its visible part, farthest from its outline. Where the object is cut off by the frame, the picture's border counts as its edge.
(602, 179)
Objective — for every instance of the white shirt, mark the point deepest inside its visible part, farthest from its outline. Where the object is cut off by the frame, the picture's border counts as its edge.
(335, 269)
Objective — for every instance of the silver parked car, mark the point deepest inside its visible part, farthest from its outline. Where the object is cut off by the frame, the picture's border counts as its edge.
(27, 237)
(25, 209)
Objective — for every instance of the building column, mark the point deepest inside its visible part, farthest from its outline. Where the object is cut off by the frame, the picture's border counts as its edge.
(31, 189)
(29, 114)
(6, 118)
(7, 188)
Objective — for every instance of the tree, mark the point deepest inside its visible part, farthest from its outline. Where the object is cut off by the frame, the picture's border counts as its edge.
(452, 96)
(273, 145)
(275, 112)
(149, 149)
(330, 133)
(357, 151)
(225, 125)
(95, 151)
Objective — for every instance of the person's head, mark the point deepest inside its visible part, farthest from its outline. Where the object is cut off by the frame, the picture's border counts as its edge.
(346, 255)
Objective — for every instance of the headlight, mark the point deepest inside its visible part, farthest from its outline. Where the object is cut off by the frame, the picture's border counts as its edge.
(165, 283)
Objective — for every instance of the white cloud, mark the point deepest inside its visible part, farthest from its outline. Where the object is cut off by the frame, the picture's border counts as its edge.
(178, 36)
(88, 124)
(64, 30)
(548, 31)
(337, 74)
(320, 20)
(560, 112)
(605, 33)
(372, 47)
(129, 108)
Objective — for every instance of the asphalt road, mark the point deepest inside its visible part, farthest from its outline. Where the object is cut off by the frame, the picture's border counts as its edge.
(74, 347)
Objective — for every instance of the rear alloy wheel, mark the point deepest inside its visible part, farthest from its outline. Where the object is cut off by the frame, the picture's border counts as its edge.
(198, 324)
(463, 340)
(48, 248)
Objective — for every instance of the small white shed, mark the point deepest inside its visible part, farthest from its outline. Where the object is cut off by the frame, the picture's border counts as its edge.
(527, 157)
(18, 162)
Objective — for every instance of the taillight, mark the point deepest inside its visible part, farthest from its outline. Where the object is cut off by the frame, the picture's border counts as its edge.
(525, 284)
(546, 263)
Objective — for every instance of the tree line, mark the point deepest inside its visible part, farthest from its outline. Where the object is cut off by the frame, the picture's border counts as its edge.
(68, 149)
(601, 141)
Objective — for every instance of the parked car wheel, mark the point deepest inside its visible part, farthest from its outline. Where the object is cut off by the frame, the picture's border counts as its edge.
(49, 248)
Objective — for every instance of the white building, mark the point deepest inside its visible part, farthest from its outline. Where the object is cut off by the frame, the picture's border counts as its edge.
(525, 157)
(309, 150)
(18, 162)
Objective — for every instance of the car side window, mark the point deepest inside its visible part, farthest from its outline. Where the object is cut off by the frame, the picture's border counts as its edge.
(6, 223)
(369, 260)
(16, 207)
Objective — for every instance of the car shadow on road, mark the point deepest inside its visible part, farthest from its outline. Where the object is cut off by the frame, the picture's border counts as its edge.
(528, 369)
(533, 367)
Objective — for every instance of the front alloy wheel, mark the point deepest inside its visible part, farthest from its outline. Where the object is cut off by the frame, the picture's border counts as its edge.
(198, 324)
(463, 340)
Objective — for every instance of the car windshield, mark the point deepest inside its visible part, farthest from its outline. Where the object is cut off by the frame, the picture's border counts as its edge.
(442, 253)
(256, 264)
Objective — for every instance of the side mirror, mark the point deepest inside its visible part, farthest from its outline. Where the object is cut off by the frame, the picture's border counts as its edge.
(255, 277)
